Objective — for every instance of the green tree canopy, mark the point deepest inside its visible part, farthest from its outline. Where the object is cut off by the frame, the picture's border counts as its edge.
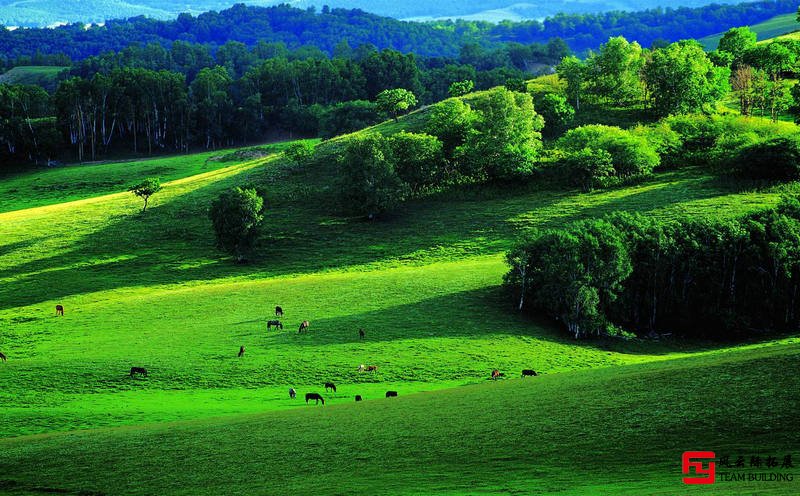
(681, 79)
(235, 216)
(146, 189)
(395, 102)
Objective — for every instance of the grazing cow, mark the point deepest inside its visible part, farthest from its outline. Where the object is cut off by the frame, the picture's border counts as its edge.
(362, 367)
(330, 385)
(358, 397)
(138, 370)
(315, 396)
(292, 393)
(278, 312)
(361, 334)
(274, 323)
(241, 351)
(391, 394)
(304, 326)
(372, 368)
(529, 372)
(59, 310)
(496, 374)
(3, 357)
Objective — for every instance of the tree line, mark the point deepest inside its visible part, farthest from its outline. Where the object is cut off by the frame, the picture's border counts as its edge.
(325, 30)
(150, 99)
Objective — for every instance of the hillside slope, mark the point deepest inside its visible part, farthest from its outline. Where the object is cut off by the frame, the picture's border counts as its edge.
(621, 429)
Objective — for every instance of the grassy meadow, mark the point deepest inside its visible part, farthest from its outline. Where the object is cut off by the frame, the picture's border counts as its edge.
(151, 290)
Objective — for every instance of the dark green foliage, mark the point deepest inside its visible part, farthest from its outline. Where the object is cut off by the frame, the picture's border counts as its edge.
(368, 181)
(588, 168)
(505, 139)
(572, 275)
(146, 189)
(702, 278)
(631, 154)
(556, 111)
(348, 117)
(776, 159)
(418, 159)
(235, 216)
(326, 29)
(25, 132)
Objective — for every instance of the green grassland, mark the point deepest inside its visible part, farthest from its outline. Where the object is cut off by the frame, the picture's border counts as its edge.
(151, 290)
(41, 75)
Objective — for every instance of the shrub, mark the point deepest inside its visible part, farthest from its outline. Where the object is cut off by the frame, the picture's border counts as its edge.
(774, 159)
(587, 168)
(235, 216)
(450, 121)
(631, 154)
(418, 159)
(299, 152)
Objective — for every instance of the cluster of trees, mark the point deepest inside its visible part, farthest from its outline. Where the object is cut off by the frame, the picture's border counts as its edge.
(675, 79)
(26, 129)
(704, 278)
(493, 135)
(325, 29)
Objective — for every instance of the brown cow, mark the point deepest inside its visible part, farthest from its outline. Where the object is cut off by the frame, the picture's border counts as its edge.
(241, 351)
(59, 310)
(496, 374)
(372, 368)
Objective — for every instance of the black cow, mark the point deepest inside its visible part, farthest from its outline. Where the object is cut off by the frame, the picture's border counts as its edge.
(241, 351)
(292, 393)
(278, 312)
(138, 370)
(391, 394)
(529, 372)
(330, 385)
(315, 396)
(358, 397)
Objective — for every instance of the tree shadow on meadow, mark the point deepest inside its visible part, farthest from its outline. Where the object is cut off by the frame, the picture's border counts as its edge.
(172, 243)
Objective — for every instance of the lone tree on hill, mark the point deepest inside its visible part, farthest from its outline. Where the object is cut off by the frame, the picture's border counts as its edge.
(235, 215)
(396, 101)
(146, 189)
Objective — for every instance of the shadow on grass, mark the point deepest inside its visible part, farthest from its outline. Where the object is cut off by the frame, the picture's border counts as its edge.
(493, 315)
(173, 243)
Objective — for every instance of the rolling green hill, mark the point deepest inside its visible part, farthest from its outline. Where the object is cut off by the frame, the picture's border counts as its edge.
(44, 76)
(777, 26)
(151, 290)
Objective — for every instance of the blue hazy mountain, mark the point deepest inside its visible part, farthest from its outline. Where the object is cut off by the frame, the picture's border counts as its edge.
(40, 13)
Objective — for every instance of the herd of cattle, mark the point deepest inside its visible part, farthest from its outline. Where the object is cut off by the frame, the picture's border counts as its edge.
(329, 386)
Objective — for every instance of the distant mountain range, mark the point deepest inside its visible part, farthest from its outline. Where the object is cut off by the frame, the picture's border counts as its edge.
(42, 13)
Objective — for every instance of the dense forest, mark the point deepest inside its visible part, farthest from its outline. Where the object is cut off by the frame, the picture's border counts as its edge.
(327, 28)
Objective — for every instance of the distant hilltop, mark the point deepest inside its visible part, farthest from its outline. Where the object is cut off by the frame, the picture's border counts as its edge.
(50, 13)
